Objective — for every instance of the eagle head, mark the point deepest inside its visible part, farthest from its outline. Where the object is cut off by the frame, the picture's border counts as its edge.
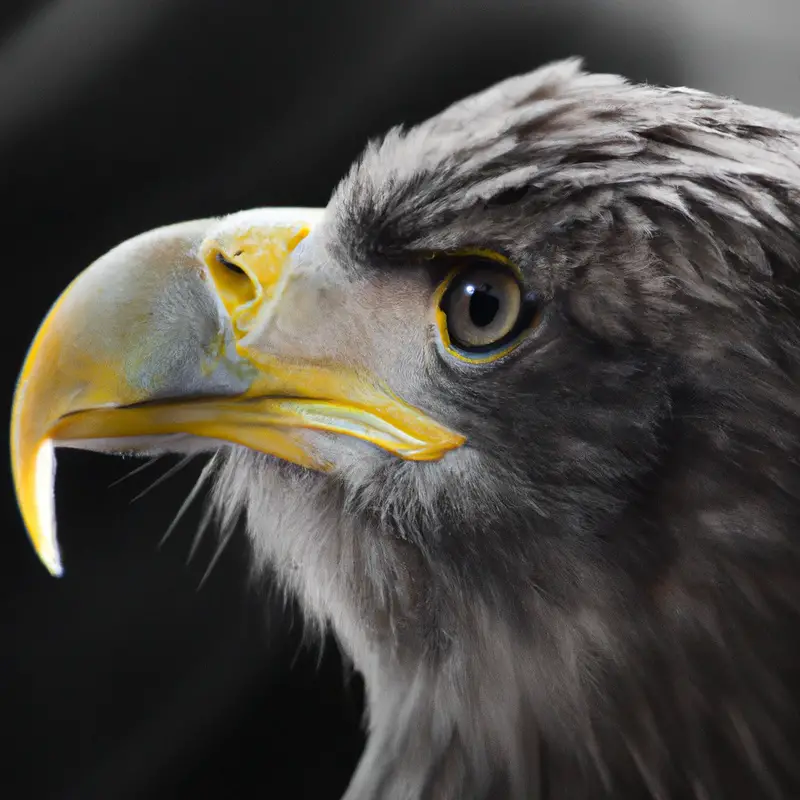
(515, 415)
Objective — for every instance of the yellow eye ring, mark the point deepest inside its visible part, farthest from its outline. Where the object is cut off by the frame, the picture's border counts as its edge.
(481, 311)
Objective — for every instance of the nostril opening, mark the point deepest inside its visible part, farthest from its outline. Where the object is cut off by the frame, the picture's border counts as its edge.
(235, 285)
(235, 268)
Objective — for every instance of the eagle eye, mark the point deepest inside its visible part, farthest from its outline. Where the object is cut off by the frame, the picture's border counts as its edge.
(482, 311)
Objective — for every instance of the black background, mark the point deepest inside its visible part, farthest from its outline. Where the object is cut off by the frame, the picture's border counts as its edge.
(125, 678)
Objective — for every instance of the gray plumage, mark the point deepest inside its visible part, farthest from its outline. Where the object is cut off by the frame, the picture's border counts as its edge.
(598, 596)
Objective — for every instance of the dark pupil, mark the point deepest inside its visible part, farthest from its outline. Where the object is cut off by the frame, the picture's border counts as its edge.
(483, 306)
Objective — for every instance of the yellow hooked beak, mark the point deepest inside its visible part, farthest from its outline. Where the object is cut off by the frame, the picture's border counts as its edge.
(146, 344)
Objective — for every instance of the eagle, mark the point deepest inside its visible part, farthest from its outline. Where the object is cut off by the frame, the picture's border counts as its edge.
(516, 417)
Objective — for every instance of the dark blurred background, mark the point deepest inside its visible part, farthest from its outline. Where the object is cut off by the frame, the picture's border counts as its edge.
(127, 679)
